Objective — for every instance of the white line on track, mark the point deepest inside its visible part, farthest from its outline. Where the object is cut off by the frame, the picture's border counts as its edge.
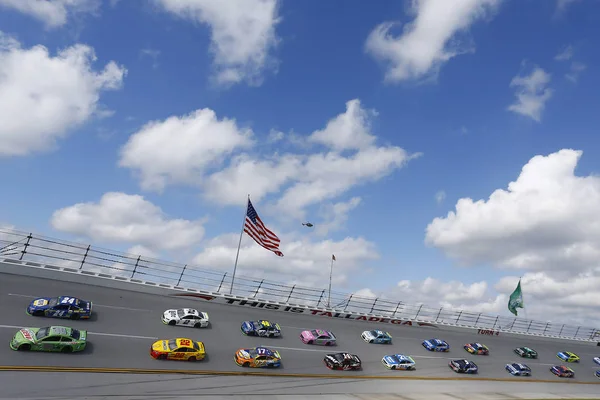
(94, 333)
(94, 304)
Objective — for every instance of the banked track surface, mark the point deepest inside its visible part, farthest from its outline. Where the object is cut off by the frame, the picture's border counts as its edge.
(126, 323)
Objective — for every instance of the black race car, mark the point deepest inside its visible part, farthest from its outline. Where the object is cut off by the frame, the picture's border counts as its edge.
(526, 352)
(518, 369)
(342, 361)
(463, 366)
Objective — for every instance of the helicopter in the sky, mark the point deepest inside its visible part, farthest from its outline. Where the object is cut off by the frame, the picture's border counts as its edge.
(308, 224)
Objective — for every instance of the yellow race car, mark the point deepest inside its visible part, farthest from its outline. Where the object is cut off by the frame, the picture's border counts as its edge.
(568, 356)
(178, 349)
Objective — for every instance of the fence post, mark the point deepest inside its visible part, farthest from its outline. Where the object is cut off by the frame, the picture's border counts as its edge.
(418, 311)
(321, 298)
(290, 295)
(577, 331)
(458, 317)
(258, 288)
(136, 265)
(439, 313)
(85, 256)
(181, 275)
(221, 284)
(348, 302)
(546, 328)
(561, 329)
(373, 306)
(29, 237)
(529, 326)
(495, 322)
(477, 320)
(396, 310)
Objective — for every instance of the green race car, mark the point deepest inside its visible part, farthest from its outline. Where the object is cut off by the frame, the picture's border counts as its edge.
(526, 352)
(51, 338)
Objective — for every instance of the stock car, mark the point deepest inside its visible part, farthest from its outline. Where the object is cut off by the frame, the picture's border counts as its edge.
(60, 307)
(562, 371)
(185, 317)
(597, 373)
(398, 361)
(436, 345)
(257, 357)
(518, 369)
(477, 348)
(377, 336)
(180, 349)
(597, 360)
(342, 361)
(463, 366)
(567, 356)
(318, 336)
(526, 352)
(51, 338)
(261, 328)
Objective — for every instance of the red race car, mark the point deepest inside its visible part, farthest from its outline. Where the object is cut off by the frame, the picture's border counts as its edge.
(562, 371)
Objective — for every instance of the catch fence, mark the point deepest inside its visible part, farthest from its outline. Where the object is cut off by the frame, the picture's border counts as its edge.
(45, 250)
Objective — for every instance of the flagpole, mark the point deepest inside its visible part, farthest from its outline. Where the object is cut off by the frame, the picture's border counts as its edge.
(238, 249)
(330, 274)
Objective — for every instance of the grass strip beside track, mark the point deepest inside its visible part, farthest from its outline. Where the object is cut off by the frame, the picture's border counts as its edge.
(267, 374)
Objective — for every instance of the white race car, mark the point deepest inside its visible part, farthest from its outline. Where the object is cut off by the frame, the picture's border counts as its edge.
(185, 317)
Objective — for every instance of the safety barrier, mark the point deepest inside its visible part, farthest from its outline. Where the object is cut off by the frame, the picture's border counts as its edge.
(20, 246)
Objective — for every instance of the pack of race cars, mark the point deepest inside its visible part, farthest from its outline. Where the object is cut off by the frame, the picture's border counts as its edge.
(67, 340)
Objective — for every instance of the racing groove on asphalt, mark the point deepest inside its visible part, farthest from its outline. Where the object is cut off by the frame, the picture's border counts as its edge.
(125, 324)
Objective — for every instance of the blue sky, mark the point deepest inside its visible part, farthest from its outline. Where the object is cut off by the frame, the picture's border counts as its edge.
(435, 90)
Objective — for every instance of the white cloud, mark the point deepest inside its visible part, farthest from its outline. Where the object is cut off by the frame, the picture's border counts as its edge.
(576, 69)
(430, 40)
(53, 13)
(119, 217)
(43, 97)
(532, 94)
(306, 263)
(153, 54)
(243, 34)
(548, 220)
(335, 215)
(440, 197)
(562, 5)
(565, 54)
(143, 251)
(180, 149)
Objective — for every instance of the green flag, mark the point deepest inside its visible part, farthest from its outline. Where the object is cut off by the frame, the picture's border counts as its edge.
(516, 300)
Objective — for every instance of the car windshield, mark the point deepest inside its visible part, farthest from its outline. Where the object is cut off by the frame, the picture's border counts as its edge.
(53, 301)
(172, 344)
(180, 313)
(42, 333)
(75, 334)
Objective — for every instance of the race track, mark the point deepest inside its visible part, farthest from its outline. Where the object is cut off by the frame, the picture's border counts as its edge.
(126, 323)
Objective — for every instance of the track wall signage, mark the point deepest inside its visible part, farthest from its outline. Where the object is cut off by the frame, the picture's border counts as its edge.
(306, 310)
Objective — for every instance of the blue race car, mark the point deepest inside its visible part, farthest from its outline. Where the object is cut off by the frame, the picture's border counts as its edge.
(436, 345)
(518, 369)
(262, 328)
(376, 336)
(598, 373)
(567, 356)
(398, 361)
(60, 307)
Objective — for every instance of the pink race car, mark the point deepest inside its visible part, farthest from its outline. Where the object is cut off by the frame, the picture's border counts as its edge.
(318, 336)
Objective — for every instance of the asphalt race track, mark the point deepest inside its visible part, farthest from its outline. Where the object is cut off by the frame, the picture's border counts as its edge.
(125, 324)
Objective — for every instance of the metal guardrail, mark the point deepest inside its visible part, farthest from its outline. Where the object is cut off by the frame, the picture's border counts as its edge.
(45, 250)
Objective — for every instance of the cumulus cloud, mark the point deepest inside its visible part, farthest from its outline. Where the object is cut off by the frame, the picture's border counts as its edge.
(43, 97)
(120, 217)
(306, 262)
(243, 34)
(532, 94)
(547, 220)
(430, 40)
(53, 14)
(179, 149)
(335, 215)
(440, 196)
(565, 54)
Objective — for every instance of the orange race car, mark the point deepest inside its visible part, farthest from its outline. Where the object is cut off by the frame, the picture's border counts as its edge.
(258, 357)
(178, 349)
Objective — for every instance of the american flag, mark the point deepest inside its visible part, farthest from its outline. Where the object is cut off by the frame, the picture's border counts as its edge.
(255, 228)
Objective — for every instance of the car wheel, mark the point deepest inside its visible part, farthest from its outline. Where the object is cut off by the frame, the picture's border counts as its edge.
(198, 325)
(309, 342)
(24, 347)
(67, 349)
(246, 364)
(75, 316)
(327, 343)
(192, 358)
(172, 322)
(371, 341)
(162, 357)
(38, 314)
